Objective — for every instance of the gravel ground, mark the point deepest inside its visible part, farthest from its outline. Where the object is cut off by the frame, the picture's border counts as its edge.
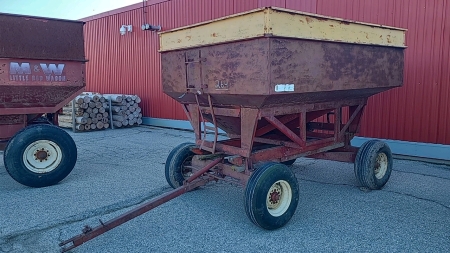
(118, 169)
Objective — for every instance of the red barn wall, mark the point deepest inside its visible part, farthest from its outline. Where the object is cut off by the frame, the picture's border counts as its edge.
(419, 111)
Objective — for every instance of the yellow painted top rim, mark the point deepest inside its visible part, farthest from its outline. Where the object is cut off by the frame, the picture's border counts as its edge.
(286, 11)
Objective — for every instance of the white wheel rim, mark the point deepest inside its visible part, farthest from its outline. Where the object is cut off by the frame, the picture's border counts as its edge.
(42, 156)
(279, 198)
(381, 165)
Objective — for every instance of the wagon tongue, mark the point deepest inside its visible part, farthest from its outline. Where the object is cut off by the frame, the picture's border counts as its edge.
(89, 233)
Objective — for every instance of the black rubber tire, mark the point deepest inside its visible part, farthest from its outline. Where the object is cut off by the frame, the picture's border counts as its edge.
(18, 144)
(177, 157)
(256, 195)
(369, 172)
(289, 162)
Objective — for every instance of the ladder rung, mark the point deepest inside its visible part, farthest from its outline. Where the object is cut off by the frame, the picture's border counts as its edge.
(205, 110)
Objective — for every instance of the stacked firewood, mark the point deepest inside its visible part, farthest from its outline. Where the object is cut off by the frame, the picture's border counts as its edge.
(89, 112)
(125, 110)
(93, 111)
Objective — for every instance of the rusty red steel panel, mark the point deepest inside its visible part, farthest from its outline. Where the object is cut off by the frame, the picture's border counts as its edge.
(40, 38)
(246, 73)
(29, 85)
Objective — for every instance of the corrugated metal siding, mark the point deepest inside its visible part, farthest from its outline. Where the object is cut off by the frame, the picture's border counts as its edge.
(419, 111)
(305, 5)
(131, 63)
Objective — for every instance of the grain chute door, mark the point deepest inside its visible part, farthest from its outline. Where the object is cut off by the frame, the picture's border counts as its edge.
(194, 80)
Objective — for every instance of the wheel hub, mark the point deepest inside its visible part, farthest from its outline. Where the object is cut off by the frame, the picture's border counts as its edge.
(275, 196)
(381, 165)
(279, 198)
(41, 154)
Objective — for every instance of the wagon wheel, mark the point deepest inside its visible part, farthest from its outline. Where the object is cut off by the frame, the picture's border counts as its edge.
(40, 155)
(271, 196)
(175, 169)
(373, 164)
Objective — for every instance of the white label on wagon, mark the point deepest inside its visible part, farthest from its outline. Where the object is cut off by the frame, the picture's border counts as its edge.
(284, 87)
(25, 72)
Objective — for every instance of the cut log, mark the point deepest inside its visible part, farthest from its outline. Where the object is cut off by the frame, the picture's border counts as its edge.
(68, 118)
(94, 121)
(139, 121)
(101, 110)
(92, 115)
(98, 104)
(105, 120)
(119, 103)
(125, 123)
(117, 123)
(89, 110)
(68, 110)
(132, 109)
(114, 97)
(94, 110)
(87, 127)
(77, 113)
(118, 118)
(99, 116)
(81, 120)
(137, 100)
(116, 108)
(91, 104)
(65, 124)
(105, 114)
(79, 100)
(131, 116)
(95, 98)
(105, 125)
(99, 125)
(89, 121)
(86, 114)
(79, 127)
(102, 99)
(86, 99)
(121, 113)
(128, 98)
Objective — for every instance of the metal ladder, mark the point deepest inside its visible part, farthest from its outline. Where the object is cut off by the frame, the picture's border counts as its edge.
(207, 129)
